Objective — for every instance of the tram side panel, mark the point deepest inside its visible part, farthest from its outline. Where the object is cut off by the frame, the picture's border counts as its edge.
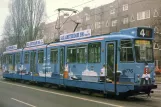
(17, 65)
(26, 64)
(52, 65)
(40, 65)
(83, 63)
(34, 63)
(12, 64)
(7, 63)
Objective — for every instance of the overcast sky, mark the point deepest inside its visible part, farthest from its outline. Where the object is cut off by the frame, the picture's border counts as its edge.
(51, 6)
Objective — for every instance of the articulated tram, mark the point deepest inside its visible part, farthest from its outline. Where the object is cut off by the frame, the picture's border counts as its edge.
(119, 63)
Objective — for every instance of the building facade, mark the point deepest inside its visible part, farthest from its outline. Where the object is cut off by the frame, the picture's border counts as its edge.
(112, 17)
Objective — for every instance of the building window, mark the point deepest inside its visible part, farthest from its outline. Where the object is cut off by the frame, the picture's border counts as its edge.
(97, 25)
(107, 23)
(125, 7)
(147, 14)
(155, 46)
(156, 14)
(114, 23)
(143, 15)
(132, 18)
(156, 29)
(112, 11)
(125, 20)
(140, 16)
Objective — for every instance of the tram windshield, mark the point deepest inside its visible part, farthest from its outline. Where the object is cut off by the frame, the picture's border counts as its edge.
(144, 50)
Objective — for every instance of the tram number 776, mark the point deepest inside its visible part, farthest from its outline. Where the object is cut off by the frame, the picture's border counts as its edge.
(128, 70)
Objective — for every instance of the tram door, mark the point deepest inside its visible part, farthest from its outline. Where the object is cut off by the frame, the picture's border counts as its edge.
(62, 59)
(14, 61)
(33, 61)
(111, 63)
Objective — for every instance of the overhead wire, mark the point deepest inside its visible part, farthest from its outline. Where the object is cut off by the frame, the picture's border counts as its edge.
(71, 7)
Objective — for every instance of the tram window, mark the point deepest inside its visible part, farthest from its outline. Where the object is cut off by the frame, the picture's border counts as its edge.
(81, 54)
(17, 58)
(71, 54)
(54, 56)
(7, 59)
(40, 56)
(94, 52)
(144, 50)
(126, 52)
(26, 57)
(4, 59)
(10, 59)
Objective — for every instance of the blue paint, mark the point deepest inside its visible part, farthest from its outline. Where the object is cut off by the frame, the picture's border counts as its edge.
(49, 72)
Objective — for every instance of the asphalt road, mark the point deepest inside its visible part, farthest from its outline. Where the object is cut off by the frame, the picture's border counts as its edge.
(13, 94)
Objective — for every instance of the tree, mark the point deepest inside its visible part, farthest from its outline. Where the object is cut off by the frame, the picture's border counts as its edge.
(8, 31)
(24, 21)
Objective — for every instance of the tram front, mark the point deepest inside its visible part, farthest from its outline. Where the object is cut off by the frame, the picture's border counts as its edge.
(145, 75)
(137, 60)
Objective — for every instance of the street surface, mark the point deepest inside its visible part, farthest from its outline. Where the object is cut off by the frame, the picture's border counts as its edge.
(14, 94)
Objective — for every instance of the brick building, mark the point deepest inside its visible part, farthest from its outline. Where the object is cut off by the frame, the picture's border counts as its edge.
(112, 17)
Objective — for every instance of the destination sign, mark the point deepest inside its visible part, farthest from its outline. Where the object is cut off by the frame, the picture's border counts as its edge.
(143, 42)
(35, 43)
(145, 32)
(76, 35)
(13, 47)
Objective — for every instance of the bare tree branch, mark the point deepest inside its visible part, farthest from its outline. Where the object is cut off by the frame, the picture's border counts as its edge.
(24, 21)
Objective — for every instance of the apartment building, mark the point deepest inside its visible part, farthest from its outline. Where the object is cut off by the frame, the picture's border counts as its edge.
(112, 17)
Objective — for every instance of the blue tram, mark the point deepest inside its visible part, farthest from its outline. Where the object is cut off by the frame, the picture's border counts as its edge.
(120, 62)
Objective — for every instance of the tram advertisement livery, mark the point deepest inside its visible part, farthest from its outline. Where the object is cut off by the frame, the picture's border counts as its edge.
(119, 63)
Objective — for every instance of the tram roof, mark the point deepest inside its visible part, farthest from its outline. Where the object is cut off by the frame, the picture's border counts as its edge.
(12, 51)
(129, 33)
